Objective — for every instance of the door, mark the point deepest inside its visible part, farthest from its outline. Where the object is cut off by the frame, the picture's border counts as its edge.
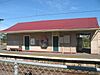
(26, 42)
(55, 43)
(79, 44)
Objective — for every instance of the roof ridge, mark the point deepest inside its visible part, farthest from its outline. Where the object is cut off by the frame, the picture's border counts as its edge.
(56, 20)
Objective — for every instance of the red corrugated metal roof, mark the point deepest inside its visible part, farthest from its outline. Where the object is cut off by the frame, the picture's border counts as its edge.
(66, 24)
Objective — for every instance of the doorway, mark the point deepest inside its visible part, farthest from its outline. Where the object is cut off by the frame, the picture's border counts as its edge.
(55, 43)
(83, 43)
(26, 42)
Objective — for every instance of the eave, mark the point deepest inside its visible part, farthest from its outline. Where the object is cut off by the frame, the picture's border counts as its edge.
(51, 30)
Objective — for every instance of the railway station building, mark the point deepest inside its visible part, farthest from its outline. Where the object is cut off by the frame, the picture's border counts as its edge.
(79, 35)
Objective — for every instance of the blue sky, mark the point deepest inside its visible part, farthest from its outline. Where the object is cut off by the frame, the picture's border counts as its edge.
(14, 11)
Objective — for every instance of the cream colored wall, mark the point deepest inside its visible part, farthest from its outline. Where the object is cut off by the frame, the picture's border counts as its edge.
(99, 42)
(37, 36)
(71, 47)
(95, 43)
(68, 47)
(10, 46)
(38, 48)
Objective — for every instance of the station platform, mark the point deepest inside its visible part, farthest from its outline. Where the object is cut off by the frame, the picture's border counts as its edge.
(78, 57)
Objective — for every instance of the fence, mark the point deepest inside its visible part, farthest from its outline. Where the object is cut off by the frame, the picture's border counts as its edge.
(13, 66)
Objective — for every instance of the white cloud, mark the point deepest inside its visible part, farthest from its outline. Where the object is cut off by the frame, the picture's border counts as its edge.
(73, 8)
(58, 4)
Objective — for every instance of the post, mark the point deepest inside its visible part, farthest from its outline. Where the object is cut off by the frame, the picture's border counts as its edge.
(15, 67)
(0, 38)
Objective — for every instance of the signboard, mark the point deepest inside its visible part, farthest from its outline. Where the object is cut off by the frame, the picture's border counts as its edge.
(61, 39)
(32, 41)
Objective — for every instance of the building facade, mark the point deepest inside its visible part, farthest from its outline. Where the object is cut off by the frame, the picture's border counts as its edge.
(67, 36)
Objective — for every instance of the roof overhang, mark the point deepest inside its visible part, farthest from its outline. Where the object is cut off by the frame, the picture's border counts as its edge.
(51, 30)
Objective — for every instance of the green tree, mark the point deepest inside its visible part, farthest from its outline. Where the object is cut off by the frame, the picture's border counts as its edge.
(3, 37)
